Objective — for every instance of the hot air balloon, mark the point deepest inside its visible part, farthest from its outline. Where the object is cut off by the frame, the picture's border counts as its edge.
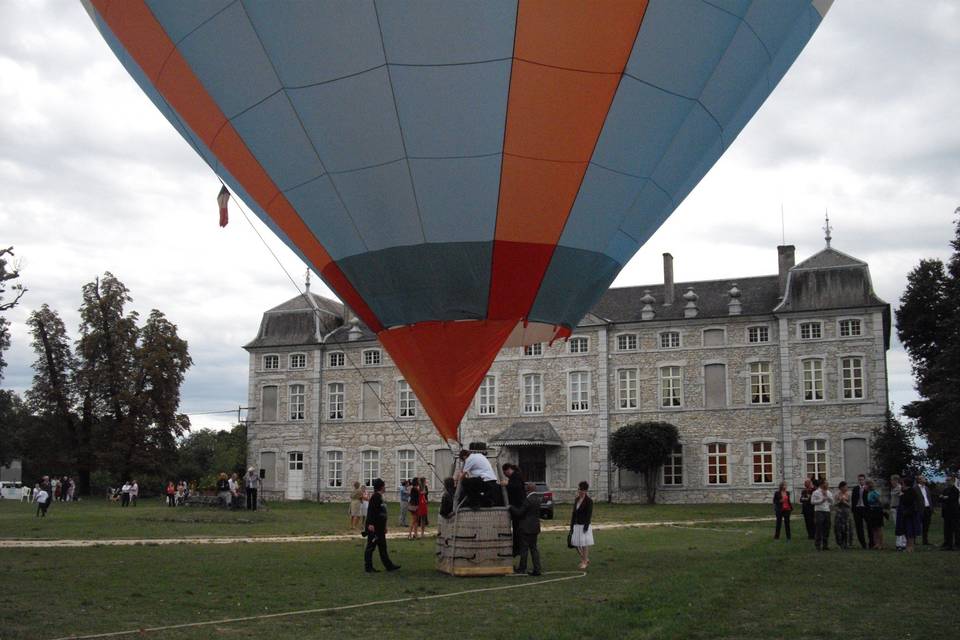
(464, 175)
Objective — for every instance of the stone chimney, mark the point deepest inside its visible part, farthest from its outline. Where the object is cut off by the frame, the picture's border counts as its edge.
(785, 261)
(647, 312)
(667, 279)
(690, 310)
(734, 307)
(354, 333)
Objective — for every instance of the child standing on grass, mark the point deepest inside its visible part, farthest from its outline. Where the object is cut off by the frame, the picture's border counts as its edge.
(41, 497)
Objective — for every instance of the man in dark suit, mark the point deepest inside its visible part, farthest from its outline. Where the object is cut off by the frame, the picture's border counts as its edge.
(528, 515)
(376, 530)
(859, 501)
(927, 505)
(950, 508)
(516, 494)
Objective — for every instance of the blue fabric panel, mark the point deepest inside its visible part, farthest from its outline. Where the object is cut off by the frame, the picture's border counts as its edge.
(458, 197)
(381, 203)
(311, 42)
(743, 64)
(573, 284)
(226, 56)
(352, 122)
(793, 44)
(679, 44)
(603, 200)
(647, 212)
(319, 206)
(749, 105)
(622, 247)
(403, 285)
(274, 135)
(180, 18)
(736, 7)
(447, 31)
(774, 20)
(452, 110)
(639, 128)
(697, 143)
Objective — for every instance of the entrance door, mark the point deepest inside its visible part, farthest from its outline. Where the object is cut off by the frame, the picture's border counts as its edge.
(268, 466)
(533, 463)
(854, 459)
(295, 476)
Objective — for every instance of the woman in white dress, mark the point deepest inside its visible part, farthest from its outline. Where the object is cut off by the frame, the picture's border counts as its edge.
(581, 533)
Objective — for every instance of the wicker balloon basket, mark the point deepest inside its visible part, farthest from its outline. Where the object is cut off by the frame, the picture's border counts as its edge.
(476, 543)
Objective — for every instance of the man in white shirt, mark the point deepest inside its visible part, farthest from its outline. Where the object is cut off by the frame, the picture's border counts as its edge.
(479, 480)
(822, 500)
(927, 507)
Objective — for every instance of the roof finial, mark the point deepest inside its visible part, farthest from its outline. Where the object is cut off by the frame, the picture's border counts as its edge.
(307, 285)
(827, 228)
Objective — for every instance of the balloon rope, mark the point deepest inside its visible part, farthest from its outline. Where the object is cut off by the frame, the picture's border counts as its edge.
(337, 342)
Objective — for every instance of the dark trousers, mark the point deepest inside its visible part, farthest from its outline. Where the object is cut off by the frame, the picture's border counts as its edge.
(927, 515)
(124, 499)
(784, 517)
(171, 500)
(377, 541)
(42, 509)
(949, 532)
(859, 519)
(528, 543)
(516, 535)
(809, 521)
(251, 498)
(822, 530)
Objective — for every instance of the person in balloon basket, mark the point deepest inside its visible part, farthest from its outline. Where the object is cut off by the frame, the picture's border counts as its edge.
(528, 516)
(375, 530)
(479, 481)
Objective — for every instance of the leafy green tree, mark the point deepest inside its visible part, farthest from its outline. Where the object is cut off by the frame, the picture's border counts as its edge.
(893, 448)
(8, 274)
(644, 447)
(928, 325)
(205, 453)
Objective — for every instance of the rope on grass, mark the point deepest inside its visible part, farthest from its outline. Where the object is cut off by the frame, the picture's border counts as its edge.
(573, 575)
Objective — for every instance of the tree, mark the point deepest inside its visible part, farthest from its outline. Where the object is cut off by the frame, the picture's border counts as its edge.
(928, 325)
(8, 273)
(644, 447)
(893, 448)
(206, 452)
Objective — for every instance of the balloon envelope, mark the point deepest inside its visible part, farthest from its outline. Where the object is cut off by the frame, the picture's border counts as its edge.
(464, 175)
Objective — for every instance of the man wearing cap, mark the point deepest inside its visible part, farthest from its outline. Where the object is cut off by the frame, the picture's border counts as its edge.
(252, 482)
(376, 530)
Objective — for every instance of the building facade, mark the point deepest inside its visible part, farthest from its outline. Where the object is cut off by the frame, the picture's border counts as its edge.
(766, 378)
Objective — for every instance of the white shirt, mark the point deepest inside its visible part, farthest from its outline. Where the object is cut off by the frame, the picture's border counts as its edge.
(134, 489)
(926, 495)
(125, 488)
(40, 496)
(862, 498)
(821, 500)
(477, 466)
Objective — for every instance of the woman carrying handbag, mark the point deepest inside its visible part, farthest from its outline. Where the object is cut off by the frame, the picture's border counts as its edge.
(581, 534)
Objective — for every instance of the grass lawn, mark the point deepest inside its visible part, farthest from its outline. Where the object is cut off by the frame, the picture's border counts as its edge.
(710, 581)
(95, 519)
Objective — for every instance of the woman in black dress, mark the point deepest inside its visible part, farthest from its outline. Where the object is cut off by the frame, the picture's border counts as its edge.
(581, 534)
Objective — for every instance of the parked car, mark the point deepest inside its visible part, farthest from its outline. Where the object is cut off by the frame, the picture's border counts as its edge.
(546, 500)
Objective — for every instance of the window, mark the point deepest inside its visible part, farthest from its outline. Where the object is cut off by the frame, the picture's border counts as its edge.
(406, 464)
(532, 393)
(371, 357)
(334, 468)
(762, 462)
(717, 467)
(714, 337)
(850, 328)
(851, 374)
(816, 451)
(811, 330)
(296, 461)
(369, 466)
(758, 334)
(715, 386)
(298, 360)
(627, 342)
(673, 468)
(297, 402)
(812, 380)
(535, 349)
(578, 390)
(670, 340)
(670, 387)
(579, 465)
(487, 397)
(335, 398)
(336, 359)
(406, 401)
(760, 383)
(370, 400)
(271, 362)
(627, 389)
(578, 344)
(268, 400)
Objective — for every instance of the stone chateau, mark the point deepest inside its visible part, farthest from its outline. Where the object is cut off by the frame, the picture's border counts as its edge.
(766, 378)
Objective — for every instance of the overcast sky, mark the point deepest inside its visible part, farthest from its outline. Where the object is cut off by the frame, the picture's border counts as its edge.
(93, 179)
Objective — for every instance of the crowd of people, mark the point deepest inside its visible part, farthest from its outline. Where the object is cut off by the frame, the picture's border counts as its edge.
(863, 510)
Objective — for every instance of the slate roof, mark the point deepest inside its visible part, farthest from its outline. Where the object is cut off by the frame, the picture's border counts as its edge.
(829, 279)
(296, 323)
(528, 434)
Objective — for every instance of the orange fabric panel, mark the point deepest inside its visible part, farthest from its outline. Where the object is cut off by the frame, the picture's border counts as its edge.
(556, 114)
(143, 37)
(445, 362)
(532, 195)
(596, 35)
(185, 93)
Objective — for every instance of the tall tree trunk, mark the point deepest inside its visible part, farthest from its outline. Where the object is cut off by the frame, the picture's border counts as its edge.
(57, 385)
